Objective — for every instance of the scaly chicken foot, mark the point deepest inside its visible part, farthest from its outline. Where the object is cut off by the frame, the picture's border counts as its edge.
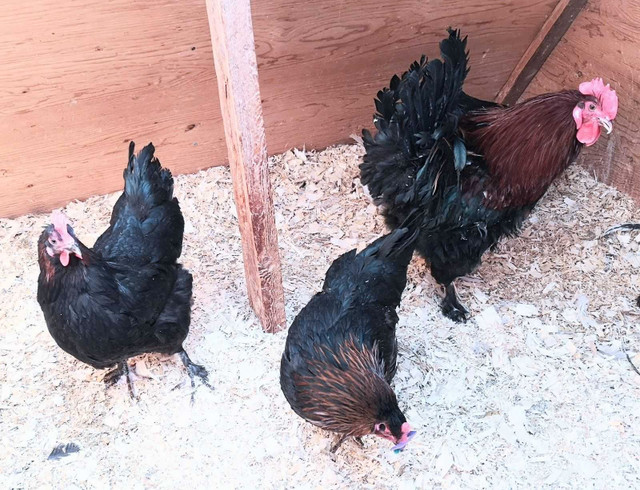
(451, 306)
(340, 440)
(336, 445)
(122, 369)
(194, 370)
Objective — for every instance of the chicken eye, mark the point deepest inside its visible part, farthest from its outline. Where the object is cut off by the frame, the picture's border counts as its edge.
(53, 241)
(592, 107)
(382, 427)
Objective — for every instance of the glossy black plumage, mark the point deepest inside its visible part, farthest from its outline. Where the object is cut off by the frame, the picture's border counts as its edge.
(341, 350)
(146, 222)
(127, 295)
(425, 134)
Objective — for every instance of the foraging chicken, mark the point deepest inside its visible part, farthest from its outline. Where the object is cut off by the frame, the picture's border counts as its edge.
(341, 350)
(482, 166)
(128, 295)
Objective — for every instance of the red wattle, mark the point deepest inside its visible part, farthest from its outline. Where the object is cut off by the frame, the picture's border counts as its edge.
(588, 133)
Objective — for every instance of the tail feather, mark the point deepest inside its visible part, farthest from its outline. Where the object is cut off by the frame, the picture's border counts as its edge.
(417, 127)
(146, 222)
(378, 274)
(400, 243)
(146, 182)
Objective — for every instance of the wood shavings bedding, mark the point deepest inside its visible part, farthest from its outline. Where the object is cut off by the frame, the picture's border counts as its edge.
(535, 390)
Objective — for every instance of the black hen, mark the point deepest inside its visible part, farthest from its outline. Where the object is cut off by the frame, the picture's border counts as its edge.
(482, 166)
(341, 350)
(128, 295)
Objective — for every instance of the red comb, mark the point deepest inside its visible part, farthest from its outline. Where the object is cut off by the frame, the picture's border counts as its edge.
(60, 222)
(604, 93)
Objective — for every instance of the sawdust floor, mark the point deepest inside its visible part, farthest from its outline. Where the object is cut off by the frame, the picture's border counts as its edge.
(535, 391)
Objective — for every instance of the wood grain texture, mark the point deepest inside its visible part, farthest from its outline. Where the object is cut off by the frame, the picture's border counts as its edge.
(603, 41)
(239, 94)
(556, 25)
(82, 76)
(322, 63)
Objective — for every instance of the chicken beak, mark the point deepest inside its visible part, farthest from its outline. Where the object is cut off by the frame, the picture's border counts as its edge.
(401, 443)
(606, 124)
(75, 250)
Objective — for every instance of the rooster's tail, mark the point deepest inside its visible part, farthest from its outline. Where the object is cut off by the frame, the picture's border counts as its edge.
(417, 125)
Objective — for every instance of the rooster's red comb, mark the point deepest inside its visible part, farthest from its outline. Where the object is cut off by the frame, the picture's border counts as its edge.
(604, 93)
(60, 222)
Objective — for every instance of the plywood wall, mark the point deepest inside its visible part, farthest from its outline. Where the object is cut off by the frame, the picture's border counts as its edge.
(604, 41)
(80, 78)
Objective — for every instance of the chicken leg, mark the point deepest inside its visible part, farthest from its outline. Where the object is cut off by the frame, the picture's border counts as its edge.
(193, 370)
(122, 369)
(340, 440)
(451, 306)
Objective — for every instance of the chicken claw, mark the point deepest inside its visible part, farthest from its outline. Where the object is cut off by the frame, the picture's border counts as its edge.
(340, 440)
(122, 369)
(193, 370)
(451, 306)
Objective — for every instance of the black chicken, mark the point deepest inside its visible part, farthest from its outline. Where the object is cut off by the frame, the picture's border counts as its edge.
(482, 166)
(341, 350)
(128, 295)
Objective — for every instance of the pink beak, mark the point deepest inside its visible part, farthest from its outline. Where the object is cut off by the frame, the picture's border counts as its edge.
(407, 435)
(73, 249)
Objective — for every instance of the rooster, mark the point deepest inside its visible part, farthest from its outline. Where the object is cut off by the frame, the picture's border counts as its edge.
(127, 295)
(341, 350)
(482, 166)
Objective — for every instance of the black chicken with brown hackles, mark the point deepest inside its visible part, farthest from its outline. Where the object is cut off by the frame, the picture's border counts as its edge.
(341, 350)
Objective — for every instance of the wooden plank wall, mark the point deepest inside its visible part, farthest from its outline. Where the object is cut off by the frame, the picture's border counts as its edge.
(604, 41)
(81, 77)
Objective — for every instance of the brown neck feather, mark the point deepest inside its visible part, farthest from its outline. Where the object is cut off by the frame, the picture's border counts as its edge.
(49, 266)
(525, 146)
(47, 269)
(348, 390)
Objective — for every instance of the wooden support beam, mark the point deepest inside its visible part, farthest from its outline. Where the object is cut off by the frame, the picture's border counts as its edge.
(237, 73)
(539, 50)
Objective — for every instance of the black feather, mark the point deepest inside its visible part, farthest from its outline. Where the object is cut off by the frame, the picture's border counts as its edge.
(355, 312)
(146, 222)
(63, 450)
(127, 295)
(419, 158)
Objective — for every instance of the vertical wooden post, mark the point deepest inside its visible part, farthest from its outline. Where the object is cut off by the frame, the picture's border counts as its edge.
(237, 73)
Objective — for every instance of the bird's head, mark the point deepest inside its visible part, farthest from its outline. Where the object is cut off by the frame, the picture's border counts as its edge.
(345, 391)
(394, 427)
(597, 109)
(59, 240)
